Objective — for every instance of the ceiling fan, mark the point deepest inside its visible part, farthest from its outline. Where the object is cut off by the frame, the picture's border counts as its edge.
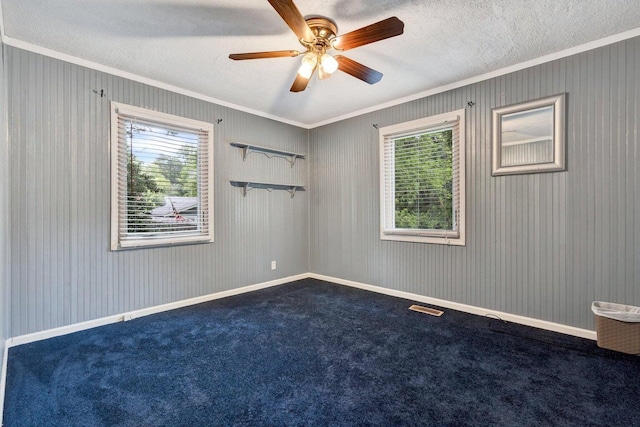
(318, 35)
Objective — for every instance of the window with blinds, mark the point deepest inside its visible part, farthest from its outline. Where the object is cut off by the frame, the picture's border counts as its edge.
(422, 180)
(161, 179)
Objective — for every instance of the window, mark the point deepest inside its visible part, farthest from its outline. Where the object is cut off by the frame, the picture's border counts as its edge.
(161, 179)
(422, 180)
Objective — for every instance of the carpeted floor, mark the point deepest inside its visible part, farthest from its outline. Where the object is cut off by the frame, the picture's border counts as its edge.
(316, 353)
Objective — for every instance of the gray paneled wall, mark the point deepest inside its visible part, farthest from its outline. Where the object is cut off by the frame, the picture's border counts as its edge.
(62, 271)
(4, 219)
(539, 245)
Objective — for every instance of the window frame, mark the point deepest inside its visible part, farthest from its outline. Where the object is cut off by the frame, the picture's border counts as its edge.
(169, 120)
(426, 124)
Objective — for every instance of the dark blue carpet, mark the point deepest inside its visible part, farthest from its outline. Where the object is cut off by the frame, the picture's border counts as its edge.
(315, 353)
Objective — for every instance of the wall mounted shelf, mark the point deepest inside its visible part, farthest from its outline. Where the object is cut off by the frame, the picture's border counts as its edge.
(290, 156)
(269, 186)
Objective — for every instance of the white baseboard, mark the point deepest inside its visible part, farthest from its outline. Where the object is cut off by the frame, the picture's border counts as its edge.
(67, 329)
(522, 320)
(63, 330)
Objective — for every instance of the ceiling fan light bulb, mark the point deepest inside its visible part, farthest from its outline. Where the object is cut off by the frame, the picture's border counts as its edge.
(309, 62)
(305, 71)
(329, 63)
(322, 73)
(310, 59)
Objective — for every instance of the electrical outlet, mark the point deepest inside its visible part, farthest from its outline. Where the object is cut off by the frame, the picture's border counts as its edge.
(273, 265)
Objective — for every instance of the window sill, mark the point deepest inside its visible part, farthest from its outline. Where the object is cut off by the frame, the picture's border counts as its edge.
(417, 238)
(161, 242)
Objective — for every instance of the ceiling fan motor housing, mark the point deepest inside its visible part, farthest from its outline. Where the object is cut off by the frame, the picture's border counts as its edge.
(324, 29)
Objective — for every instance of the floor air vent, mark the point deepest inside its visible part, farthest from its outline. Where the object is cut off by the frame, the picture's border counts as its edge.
(431, 311)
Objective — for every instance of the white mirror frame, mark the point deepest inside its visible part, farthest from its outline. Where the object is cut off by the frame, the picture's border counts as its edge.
(558, 102)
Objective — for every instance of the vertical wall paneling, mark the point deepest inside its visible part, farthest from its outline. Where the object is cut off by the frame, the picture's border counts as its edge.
(62, 270)
(538, 245)
(5, 307)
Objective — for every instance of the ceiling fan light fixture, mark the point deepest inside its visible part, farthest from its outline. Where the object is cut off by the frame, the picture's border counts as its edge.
(309, 62)
(318, 34)
(328, 63)
(322, 73)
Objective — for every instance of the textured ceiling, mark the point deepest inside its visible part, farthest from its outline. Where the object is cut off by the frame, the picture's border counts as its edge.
(186, 44)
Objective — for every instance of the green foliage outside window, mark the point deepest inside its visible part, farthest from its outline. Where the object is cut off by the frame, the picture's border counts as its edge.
(176, 175)
(423, 181)
(143, 195)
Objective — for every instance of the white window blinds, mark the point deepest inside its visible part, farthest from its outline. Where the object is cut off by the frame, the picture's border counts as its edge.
(162, 179)
(422, 179)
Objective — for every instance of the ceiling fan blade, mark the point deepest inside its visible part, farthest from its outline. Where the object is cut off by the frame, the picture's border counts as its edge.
(260, 55)
(358, 70)
(294, 19)
(300, 83)
(384, 29)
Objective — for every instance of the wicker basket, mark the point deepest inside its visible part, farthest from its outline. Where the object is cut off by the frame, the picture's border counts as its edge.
(618, 335)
